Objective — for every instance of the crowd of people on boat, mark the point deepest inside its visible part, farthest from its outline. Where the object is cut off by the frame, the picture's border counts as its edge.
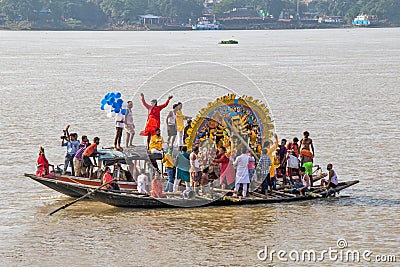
(79, 157)
(252, 166)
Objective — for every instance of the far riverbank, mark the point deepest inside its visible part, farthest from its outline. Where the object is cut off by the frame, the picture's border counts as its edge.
(27, 26)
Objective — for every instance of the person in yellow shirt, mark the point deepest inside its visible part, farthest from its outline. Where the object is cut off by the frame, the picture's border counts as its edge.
(156, 142)
(271, 180)
(275, 165)
(170, 167)
(180, 126)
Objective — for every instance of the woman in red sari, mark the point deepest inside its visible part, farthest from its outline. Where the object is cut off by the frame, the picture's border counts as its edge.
(42, 164)
(153, 118)
(227, 175)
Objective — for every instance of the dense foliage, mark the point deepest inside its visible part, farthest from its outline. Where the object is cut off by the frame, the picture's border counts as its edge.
(102, 12)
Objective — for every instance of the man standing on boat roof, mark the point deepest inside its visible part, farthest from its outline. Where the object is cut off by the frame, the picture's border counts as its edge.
(180, 126)
(306, 154)
(171, 125)
(307, 143)
(129, 125)
(153, 117)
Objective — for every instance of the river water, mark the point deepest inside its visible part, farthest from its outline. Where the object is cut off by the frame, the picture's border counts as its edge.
(341, 85)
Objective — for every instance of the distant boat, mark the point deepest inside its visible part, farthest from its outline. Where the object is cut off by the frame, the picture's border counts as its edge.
(204, 24)
(365, 20)
(228, 42)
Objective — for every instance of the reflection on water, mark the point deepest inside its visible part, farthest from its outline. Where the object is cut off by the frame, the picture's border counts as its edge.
(346, 98)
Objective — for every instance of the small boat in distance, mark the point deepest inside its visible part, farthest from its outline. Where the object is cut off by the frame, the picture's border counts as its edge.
(365, 20)
(228, 42)
(203, 23)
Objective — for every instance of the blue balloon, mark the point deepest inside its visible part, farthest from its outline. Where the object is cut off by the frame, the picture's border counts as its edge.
(120, 101)
(118, 95)
(112, 99)
(117, 110)
(102, 107)
(123, 111)
(107, 96)
(104, 101)
(112, 95)
(115, 105)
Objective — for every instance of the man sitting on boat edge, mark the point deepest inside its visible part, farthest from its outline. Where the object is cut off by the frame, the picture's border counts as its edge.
(332, 181)
(304, 186)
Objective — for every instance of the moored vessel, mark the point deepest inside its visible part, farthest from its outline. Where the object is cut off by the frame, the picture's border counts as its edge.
(365, 20)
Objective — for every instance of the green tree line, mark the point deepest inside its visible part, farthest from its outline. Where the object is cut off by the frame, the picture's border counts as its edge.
(102, 12)
(99, 12)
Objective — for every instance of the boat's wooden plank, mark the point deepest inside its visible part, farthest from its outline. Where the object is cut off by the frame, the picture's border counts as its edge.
(283, 193)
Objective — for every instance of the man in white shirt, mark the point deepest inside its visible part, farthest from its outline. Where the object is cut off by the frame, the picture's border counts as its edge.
(142, 182)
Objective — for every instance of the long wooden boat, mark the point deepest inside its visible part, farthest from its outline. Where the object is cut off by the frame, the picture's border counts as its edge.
(134, 200)
(228, 118)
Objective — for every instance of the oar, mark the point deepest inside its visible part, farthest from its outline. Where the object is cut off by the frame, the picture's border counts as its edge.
(82, 197)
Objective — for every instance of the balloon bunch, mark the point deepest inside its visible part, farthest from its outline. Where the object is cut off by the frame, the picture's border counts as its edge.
(113, 103)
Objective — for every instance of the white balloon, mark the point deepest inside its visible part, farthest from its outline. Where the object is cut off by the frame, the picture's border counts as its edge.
(109, 114)
(124, 105)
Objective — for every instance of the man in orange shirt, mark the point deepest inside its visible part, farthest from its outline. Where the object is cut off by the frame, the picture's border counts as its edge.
(90, 151)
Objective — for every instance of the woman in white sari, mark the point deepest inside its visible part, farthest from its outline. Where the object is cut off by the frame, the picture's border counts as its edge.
(242, 171)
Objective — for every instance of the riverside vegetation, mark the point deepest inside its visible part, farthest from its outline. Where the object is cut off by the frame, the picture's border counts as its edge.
(105, 14)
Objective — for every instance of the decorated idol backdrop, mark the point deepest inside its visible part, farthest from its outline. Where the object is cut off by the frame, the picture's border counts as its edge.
(234, 122)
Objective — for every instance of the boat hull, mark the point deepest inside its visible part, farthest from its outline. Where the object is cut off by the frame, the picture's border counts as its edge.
(69, 189)
(129, 200)
(132, 199)
(74, 186)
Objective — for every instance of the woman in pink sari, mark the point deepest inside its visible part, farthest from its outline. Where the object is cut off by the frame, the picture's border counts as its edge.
(153, 117)
(157, 187)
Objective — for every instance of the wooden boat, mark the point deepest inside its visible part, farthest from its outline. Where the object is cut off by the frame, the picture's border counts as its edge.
(134, 200)
(221, 118)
